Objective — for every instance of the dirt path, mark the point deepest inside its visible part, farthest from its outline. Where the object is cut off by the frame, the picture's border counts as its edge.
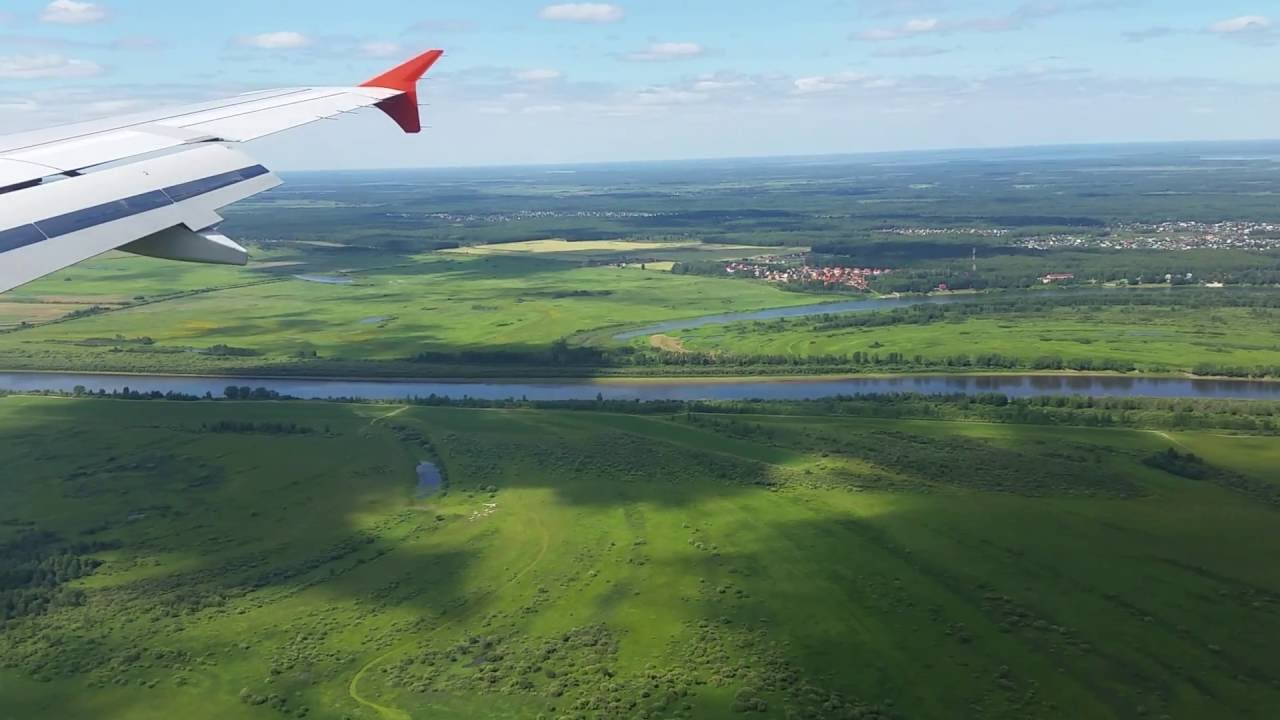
(388, 416)
(1169, 437)
(391, 713)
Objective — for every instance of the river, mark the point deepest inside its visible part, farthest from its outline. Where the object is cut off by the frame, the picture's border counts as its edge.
(847, 306)
(667, 389)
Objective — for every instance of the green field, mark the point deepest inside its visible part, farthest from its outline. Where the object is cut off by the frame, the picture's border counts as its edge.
(269, 560)
(440, 302)
(503, 310)
(1151, 338)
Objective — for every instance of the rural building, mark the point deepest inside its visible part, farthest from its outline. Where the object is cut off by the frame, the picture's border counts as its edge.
(1057, 277)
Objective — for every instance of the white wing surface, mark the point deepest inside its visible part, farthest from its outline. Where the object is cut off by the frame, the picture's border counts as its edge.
(151, 183)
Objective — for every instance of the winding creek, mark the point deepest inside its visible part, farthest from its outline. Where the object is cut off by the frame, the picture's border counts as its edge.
(833, 308)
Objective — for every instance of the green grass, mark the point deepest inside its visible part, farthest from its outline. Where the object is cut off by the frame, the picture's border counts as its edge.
(623, 565)
(514, 301)
(438, 302)
(1150, 337)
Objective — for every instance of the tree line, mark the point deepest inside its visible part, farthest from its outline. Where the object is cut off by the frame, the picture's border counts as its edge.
(1252, 416)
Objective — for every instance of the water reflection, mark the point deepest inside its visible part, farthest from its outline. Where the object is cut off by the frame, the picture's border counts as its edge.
(429, 479)
(692, 389)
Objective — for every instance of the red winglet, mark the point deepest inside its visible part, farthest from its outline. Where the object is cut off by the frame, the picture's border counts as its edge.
(403, 108)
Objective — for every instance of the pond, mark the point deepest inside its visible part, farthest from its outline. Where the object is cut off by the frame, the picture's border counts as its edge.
(430, 480)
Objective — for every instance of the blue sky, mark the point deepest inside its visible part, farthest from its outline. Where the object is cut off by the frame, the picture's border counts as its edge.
(538, 82)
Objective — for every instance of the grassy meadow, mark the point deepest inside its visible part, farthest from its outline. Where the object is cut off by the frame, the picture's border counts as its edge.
(1152, 338)
(503, 309)
(157, 316)
(270, 560)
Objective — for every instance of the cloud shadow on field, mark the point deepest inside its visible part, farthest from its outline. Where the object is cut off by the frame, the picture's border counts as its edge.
(313, 536)
(218, 527)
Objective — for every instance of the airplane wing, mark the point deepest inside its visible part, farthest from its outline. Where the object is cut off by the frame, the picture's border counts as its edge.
(152, 183)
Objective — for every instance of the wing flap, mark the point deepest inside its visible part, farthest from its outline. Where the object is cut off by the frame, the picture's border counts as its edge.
(14, 173)
(46, 228)
(180, 243)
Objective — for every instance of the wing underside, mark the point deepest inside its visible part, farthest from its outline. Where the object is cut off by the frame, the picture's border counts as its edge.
(152, 183)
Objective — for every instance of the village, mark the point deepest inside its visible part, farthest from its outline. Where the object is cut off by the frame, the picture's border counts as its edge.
(835, 276)
(1178, 235)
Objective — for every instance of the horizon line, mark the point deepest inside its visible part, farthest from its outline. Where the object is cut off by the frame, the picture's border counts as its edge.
(795, 156)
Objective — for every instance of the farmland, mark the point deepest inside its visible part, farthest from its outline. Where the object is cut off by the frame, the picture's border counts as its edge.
(266, 560)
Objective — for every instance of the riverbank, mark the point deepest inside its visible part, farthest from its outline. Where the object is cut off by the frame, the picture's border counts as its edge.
(687, 389)
(814, 341)
(607, 376)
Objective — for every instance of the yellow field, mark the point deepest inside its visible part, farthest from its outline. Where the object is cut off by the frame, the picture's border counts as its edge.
(561, 246)
(666, 342)
(12, 313)
(664, 266)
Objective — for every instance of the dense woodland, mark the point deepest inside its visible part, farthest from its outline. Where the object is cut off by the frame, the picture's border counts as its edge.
(35, 568)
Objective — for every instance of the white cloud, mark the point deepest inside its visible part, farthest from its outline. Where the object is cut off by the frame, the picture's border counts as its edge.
(668, 51)
(721, 82)
(917, 26)
(539, 75)
(1243, 24)
(815, 84)
(818, 84)
(73, 12)
(39, 67)
(379, 49)
(1248, 29)
(912, 51)
(582, 12)
(660, 95)
(282, 40)
(1021, 17)
(542, 109)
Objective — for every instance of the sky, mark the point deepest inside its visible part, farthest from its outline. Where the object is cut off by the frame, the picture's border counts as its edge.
(527, 81)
